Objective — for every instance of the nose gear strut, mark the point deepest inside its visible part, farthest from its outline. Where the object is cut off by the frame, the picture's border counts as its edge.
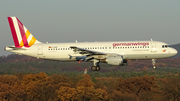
(154, 63)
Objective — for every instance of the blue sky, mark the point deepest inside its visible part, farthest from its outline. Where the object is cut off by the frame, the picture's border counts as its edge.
(93, 20)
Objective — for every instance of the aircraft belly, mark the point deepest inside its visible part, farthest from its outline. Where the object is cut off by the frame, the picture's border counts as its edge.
(143, 56)
(166, 55)
(148, 56)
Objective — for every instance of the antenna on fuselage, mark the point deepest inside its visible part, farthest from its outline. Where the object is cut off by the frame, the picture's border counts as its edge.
(76, 41)
(151, 39)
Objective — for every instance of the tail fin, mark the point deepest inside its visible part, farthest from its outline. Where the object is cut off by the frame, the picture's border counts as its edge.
(21, 36)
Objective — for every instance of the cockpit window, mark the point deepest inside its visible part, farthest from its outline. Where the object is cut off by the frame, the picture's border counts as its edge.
(165, 46)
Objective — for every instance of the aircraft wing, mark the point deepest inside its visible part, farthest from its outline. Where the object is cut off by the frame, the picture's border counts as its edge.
(86, 51)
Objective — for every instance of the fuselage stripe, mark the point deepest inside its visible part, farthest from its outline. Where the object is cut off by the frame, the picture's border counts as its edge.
(22, 31)
(13, 31)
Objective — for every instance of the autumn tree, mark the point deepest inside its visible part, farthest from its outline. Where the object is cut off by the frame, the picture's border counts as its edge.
(101, 95)
(59, 81)
(106, 83)
(137, 85)
(171, 89)
(67, 93)
(10, 88)
(38, 86)
(85, 88)
(87, 92)
(119, 96)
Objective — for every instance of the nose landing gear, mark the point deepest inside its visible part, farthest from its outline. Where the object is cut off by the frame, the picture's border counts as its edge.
(154, 63)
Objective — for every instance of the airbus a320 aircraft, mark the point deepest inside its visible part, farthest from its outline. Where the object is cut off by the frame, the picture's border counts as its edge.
(112, 53)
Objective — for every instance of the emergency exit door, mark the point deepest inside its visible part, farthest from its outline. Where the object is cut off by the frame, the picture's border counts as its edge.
(153, 47)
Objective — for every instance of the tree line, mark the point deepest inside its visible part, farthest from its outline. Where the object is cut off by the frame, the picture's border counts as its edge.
(14, 63)
(41, 87)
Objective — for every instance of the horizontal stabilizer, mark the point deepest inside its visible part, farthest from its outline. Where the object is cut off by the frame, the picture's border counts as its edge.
(14, 48)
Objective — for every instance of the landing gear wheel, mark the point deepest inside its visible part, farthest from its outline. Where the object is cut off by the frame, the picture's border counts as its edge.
(154, 67)
(93, 68)
(97, 68)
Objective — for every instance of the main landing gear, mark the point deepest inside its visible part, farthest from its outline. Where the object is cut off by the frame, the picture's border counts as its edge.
(95, 66)
(154, 63)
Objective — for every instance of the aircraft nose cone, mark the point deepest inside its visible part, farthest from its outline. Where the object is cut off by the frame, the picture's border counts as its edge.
(175, 52)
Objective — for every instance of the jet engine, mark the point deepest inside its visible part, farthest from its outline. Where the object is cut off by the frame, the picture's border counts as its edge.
(116, 60)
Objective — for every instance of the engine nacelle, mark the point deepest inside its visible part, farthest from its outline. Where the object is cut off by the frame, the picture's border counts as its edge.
(115, 60)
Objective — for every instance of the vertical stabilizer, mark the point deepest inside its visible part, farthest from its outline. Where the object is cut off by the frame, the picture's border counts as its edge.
(21, 36)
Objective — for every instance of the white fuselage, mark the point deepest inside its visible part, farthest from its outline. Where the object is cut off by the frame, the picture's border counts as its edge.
(130, 50)
(112, 53)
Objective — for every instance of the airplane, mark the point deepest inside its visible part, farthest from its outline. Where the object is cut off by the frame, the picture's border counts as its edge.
(113, 53)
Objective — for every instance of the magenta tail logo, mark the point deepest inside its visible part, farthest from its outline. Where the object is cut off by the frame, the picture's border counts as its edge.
(21, 36)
